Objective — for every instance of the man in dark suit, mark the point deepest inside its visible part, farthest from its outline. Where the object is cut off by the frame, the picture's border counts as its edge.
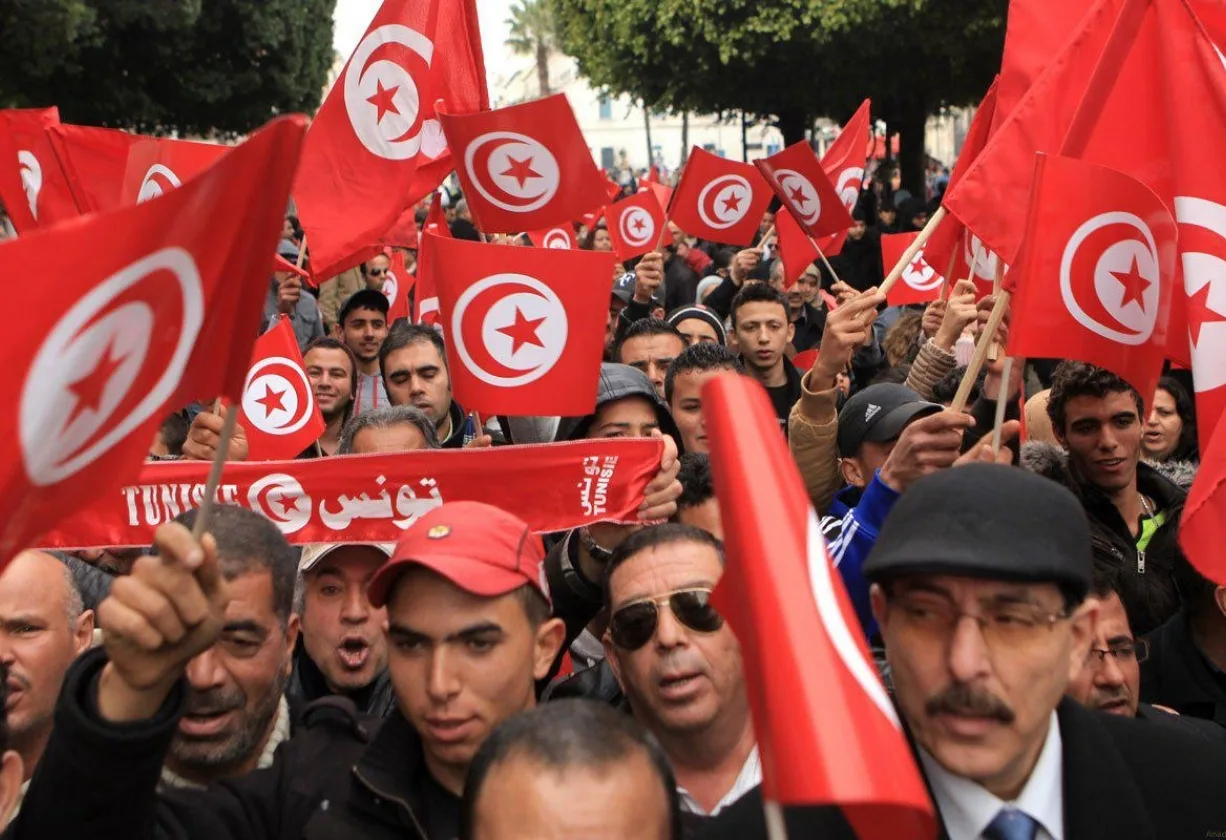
(980, 577)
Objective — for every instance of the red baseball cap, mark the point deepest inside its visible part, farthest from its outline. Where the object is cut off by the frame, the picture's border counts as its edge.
(480, 548)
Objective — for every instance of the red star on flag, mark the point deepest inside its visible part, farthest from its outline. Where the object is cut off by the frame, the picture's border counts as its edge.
(287, 504)
(271, 400)
(384, 99)
(1200, 313)
(520, 170)
(522, 331)
(799, 198)
(89, 389)
(1134, 285)
(732, 202)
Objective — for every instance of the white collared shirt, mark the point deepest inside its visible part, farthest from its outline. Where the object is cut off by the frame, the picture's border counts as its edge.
(748, 779)
(967, 809)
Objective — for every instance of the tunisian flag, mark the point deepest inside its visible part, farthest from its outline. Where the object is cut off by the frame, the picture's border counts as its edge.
(157, 165)
(1202, 528)
(525, 326)
(33, 187)
(1096, 275)
(278, 407)
(426, 299)
(795, 248)
(94, 161)
(524, 167)
(824, 722)
(377, 126)
(559, 237)
(844, 160)
(921, 282)
(636, 225)
(396, 286)
(797, 177)
(155, 304)
(720, 200)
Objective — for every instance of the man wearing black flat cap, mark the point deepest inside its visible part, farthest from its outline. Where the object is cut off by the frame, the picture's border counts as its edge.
(979, 583)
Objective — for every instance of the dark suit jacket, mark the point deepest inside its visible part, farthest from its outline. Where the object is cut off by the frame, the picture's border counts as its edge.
(1176, 675)
(1126, 779)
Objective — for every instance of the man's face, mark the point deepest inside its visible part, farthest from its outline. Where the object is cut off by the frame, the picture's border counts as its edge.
(461, 664)
(601, 240)
(681, 681)
(235, 686)
(416, 375)
(803, 291)
(341, 631)
(979, 697)
(704, 516)
(616, 305)
(400, 437)
(287, 229)
(364, 331)
(768, 221)
(522, 798)
(887, 216)
(762, 332)
(628, 417)
(856, 231)
(376, 271)
(37, 641)
(686, 407)
(652, 354)
(1110, 683)
(328, 370)
(1103, 439)
(697, 331)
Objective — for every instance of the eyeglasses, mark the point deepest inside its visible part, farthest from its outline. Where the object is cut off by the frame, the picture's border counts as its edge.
(633, 625)
(377, 272)
(1002, 625)
(1136, 650)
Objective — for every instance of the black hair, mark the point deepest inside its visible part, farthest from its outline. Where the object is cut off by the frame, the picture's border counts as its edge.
(329, 343)
(248, 543)
(645, 326)
(362, 299)
(566, 734)
(892, 375)
(401, 335)
(1079, 379)
(757, 293)
(174, 432)
(654, 537)
(947, 386)
(1187, 449)
(700, 357)
(695, 477)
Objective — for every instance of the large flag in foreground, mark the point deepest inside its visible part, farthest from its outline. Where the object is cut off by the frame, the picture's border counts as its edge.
(156, 304)
(824, 722)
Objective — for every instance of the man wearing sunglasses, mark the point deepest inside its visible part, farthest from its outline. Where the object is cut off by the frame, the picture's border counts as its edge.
(979, 584)
(679, 665)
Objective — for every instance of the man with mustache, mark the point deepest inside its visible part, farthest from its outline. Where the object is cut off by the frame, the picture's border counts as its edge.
(979, 586)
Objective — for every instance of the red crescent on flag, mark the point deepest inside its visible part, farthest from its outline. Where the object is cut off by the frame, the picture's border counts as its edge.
(480, 153)
(417, 68)
(472, 327)
(1082, 268)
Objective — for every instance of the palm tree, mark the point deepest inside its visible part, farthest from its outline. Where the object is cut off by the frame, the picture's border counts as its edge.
(533, 33)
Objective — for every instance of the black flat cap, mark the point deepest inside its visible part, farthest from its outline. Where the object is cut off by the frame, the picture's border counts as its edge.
(986, 521)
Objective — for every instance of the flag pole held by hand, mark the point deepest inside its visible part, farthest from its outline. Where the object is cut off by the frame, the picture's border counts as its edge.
(302, 251)
(912, 250)
(219, 461)
(997, 285)
(1002, 401)
(981, 353)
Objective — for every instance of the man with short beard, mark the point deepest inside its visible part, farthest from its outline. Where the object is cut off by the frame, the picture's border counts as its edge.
(333, 373)
(236, 714)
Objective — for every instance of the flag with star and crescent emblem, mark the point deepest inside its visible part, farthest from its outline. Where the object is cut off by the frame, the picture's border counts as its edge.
(720, 200)
(33, 187)
(920, 281)
(524, 167)
(156, 304)
(524, 326)
(797, 177)
(637, 225)
(157, 165)
(1095, 279)
(278, 409)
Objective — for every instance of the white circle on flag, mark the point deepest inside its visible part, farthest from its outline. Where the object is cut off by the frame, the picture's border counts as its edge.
(159, 180)
(281, 499)
(636, 227)
(919, 275)
(391, 288)
(31, 178)
(556, 239)
(277, 396)
(1113, 290)
(851, 180)
(382, 93)
(509, 329)
(1204, 277)
(801, 194)
(724, 201)
(512, 171)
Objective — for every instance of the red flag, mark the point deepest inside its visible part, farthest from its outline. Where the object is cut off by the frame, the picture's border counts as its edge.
(663, 194)
(561, 238)
(524, 167)
(94, 161)
(33, 187)
(377, 127)
(1097, 272)
(396, 286)
(278, 409)
(157, 165)
(824, 722)
(795, 247)
(525, 326)
(280, 263)
(719, 199)
(404, 232)
(798, 179)
(845, 159)
(613, 188)
(921, 282)
(636, 225)
(154, 305)
(1202, 528)
(427, 295)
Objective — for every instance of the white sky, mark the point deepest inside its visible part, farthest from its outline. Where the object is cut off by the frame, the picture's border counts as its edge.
(352, 17)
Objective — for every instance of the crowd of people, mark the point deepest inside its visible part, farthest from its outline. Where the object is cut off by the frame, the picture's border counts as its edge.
(1059, 667)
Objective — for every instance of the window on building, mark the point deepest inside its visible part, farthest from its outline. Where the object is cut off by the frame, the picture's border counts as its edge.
(606, 158)
(606, 108)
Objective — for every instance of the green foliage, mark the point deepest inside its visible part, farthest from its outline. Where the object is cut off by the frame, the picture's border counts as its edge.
(534, 33)
(223, 67)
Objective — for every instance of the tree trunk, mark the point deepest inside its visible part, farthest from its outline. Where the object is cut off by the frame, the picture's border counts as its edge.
(793, 125)
(912, 154)
(685, 137)
(744, 138)
(542, 68)
(651, 150)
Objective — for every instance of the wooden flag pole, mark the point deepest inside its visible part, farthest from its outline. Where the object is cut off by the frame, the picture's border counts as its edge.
(912, 250)
(981, 353)
(302, 251)
(776, 828)
(761, 246)
(1002, 402)
(997, 284)
(219, 461)
(825, 261)
(947, 287)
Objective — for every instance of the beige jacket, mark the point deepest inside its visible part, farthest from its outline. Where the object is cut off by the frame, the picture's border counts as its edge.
(931, 366)
(813, 428)
(334, 292)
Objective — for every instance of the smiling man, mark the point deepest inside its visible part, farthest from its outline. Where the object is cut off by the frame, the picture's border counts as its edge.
(332, 371)
(980, 578)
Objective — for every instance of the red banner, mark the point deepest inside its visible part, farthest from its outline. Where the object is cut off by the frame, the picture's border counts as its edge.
(374, 498)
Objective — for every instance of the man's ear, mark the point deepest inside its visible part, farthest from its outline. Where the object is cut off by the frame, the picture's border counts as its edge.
(610, 656)
(876, 597)
(852, 471)
(549, 638)
(1219, 598)
(1084, 623)
(791, 331)
(83, 632)
(292, 628)
(12, 774)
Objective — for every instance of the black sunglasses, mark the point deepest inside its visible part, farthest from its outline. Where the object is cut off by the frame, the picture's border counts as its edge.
(377, 272)
(633, 625)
